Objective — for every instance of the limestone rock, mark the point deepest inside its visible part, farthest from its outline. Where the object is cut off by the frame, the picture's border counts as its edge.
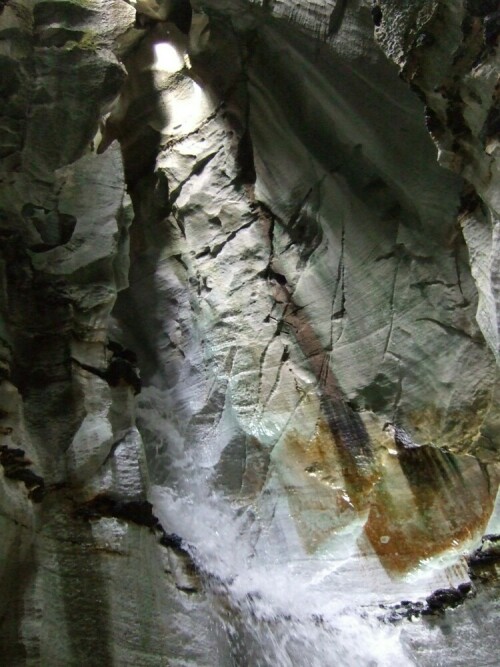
(455, 72)
(247, 196)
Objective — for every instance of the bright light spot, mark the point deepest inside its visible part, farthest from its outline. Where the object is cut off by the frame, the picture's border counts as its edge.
(167, 58)
(187, 106)
(184, 104)
(197, 92)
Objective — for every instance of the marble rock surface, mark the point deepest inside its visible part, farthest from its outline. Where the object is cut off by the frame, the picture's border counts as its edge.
(249, 294)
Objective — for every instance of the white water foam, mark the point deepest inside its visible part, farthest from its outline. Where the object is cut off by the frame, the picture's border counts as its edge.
(274, 614)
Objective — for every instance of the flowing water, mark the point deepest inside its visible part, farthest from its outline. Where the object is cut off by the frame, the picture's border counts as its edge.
(271, 605)
(280, 614)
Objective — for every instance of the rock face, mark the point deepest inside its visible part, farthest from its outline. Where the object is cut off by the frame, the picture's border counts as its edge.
(457, 79)
(247, 196)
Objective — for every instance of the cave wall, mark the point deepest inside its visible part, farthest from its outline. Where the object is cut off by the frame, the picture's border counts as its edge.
(251, 199)
(72, 457)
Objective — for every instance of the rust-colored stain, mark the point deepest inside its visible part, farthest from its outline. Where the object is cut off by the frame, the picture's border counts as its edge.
(417, 504)
(345, 425)
(324, 496)
(426, 502)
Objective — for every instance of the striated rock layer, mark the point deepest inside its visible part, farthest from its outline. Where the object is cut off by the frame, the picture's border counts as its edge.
(248, 197)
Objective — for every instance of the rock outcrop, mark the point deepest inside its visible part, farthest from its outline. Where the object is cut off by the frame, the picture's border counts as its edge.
(230, 256)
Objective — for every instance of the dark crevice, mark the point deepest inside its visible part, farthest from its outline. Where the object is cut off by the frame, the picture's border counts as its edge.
(120, 372)
(491, 28)
(270, 274)
(139, 512)
(181, 15)
(245, 160)
(217, 249)
(337, 17)
(17, 468)
(469, 201)
(340, 314)
(196, 170)
(376, 12)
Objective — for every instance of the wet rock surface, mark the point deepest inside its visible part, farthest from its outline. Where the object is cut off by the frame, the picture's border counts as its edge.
(435, 604)
(456, 75)
(485, 558)
(245, 317)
